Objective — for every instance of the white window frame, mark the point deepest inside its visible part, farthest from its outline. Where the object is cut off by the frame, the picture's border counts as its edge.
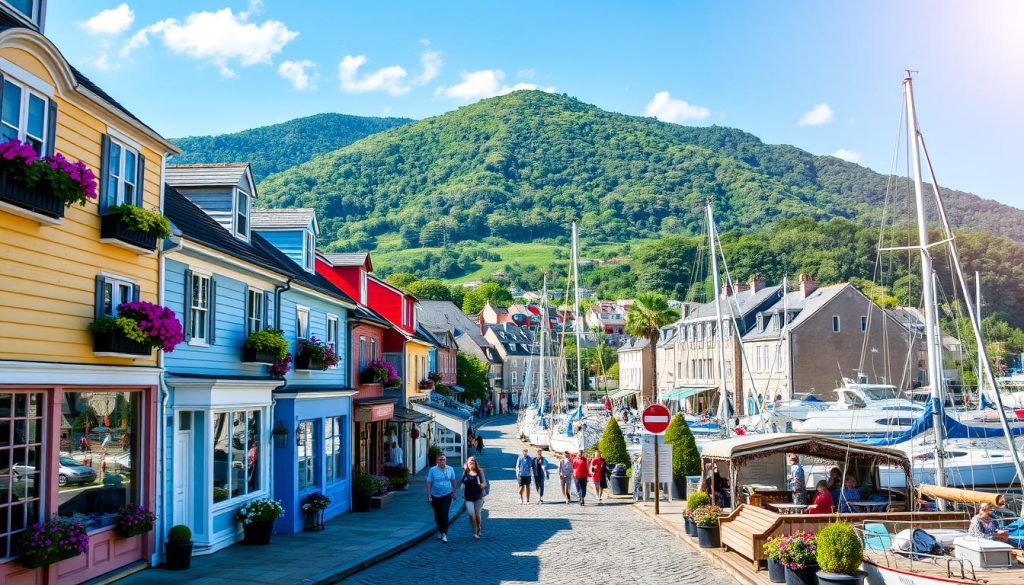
(362, 286)
(116, 283)
(514, 381)
(309, 250)
(835, 324)
(373, 348)
(332, 335)
(404, 313)
(301, 312)
(334, 428)
(242, 196)
(262, 470)
(306, 475)
(26, 92)
(254, 319)
(119, 173)
(363, 355)
(203, 308)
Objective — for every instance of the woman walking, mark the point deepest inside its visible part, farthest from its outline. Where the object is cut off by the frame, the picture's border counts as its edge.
(565, 474)
(473, 485)
(581, 472)
(440, 493)
(540, 473)
(597, 471)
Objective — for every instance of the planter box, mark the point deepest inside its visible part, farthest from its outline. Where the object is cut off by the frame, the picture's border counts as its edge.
(115, 344)
(251, 356)
(303, 362)
(36, 562)
(378, 502)
(258, 533)
(113, 231)
(38, 201)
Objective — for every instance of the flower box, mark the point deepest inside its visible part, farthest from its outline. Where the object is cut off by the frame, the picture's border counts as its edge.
(251, 356)
(305, 362)
(117, 343)
(113, 230)
(38, 200)
(34, 562)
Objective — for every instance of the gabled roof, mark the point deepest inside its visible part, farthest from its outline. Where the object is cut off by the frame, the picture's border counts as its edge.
(349, 259)
(299, 274)
(739, 305)
(282, 219)
(206, 175)
(634, 344)
(427, 337)
(445, 314)
(803, 308)
(368, 315)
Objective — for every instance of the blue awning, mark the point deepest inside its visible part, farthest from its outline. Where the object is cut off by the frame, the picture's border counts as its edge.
(684, 393)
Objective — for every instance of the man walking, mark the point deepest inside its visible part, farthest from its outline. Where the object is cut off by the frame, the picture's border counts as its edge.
(565, 475)
(581, 472)
(797, 480)
(540, 473)
(524, 471)
(440, 493)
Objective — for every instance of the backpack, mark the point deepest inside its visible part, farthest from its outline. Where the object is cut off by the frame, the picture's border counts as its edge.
(919, 543)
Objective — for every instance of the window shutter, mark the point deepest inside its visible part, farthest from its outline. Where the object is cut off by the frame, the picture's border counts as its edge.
(266, 310)
(140, 181)
(186, 307)
(106, 197)
(136, 293)
(211, 314)
(99, 294)
(51, 129)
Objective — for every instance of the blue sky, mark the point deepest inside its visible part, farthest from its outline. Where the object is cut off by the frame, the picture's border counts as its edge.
(824, 76)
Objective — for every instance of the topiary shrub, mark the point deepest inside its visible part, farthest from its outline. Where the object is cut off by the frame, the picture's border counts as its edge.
(613, 445)
(685, 456)
(179, 534)
(674, 427)
(839, 549)
(697, 500)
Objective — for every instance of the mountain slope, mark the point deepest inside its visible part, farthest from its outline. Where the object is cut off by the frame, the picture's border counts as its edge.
(274, 148)
(523, 165)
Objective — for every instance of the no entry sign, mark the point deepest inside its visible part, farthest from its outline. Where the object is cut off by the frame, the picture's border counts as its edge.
(655, 418)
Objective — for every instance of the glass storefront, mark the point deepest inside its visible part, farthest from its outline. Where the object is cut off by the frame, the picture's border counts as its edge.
(236, 453)
(21, 424)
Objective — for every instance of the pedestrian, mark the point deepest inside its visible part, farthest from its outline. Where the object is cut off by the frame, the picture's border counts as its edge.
(479, 445)
(565, 475)
(797, 481)
(397, 456)
(490, 407)
(638, 475)
(540, 473)
(597, 471)
(524, 471)
(581, 472)
(473, 486)
(441, 493)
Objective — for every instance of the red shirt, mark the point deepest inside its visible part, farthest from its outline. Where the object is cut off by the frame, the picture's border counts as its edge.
(580, 468)
(822, 503)
(597, 466)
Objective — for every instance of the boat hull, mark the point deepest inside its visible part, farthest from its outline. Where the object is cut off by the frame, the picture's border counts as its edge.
(882, 575)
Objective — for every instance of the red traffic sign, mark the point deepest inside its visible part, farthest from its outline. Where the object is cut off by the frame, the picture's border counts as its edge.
(655, 418)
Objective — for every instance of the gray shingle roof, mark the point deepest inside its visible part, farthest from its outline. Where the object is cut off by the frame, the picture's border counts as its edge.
(444, 314)
(347, 259)
(739, 305)
(795, 303)
(205, 175)
(633, 344)
(296, 218)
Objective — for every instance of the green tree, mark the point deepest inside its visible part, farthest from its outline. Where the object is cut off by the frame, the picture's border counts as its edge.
(475, 299)
(471, 374)
(458, 294)
(401, 279)
(645, 319)
(613, 444)
(685, 456)
(410, 235)
(429, 289)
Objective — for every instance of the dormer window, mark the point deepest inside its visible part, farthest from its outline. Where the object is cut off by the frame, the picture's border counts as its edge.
(242, 214)
(310, 251)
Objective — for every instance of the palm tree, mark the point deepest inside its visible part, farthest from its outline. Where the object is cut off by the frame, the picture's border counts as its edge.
(649, 313)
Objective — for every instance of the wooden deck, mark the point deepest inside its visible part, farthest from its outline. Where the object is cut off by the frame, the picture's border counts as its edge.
(936, 568)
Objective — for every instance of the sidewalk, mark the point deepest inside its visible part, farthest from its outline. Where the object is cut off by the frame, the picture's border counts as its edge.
(349, 543)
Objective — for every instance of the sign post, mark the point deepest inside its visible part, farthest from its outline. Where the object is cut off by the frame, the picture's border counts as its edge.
(655, 419)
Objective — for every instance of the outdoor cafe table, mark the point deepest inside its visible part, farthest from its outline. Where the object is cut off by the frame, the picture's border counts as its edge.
(789, 508)
(866, 506)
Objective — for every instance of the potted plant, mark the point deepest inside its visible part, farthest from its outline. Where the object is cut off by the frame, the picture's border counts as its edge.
(839, 555)
(394, 383)
(685, 456)
(776, 572)
(426, 384)
(279, 369)
(398, 476)
(313, 354)
(433, 452)
(265, 347)
(706, 519)
(434, 377)
(257, 518)
(798, 554)
(364, 487)
(134, 225)
(52, 541)
(379, 372)
(314, 506)
(134, 520)
(138, 328)
(43, 186)
(695, 501)
(179, 548)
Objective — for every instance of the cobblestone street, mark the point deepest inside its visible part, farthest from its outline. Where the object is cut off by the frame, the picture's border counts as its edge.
(549, 543)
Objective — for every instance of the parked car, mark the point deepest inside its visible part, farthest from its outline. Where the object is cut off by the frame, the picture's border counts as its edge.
(70, 472)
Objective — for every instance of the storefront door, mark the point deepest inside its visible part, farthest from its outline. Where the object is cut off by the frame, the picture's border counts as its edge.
(183, 461)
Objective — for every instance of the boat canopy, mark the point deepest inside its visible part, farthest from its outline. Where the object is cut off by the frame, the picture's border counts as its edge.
(744, 447)
(684, 393)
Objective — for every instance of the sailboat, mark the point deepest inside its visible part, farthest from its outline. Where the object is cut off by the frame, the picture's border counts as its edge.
(883, 566)
(541, 432)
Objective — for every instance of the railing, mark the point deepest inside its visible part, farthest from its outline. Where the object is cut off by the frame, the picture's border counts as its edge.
(964, 566)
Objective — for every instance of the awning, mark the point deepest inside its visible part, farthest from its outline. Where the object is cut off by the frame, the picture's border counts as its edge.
(683, 393)
(620, 394)
(451, 419)
(374, 409)
(405, 415)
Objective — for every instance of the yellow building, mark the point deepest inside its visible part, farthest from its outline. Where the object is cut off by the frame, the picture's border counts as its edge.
(85, 407)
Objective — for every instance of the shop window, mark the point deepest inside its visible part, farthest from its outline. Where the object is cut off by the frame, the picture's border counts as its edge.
(236, 454)
(334, 446)
(99, 461)
(21, 424)
(306, 444)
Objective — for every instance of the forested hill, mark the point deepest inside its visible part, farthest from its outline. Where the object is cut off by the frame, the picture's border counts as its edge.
(275, 148)
(521, 166)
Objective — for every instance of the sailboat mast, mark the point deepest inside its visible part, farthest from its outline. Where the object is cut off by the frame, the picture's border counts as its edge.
(540, 336)
(723, 400)
(576, 318)
(977, 313)
(927, 290)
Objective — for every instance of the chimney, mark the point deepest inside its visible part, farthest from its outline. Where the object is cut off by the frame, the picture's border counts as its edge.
(756, 282)
(726, 290)
(807, 285)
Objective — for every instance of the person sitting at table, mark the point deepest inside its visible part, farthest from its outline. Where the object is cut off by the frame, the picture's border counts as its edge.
(848, 494)
(822, 503)
(835, 480)
(983, 525)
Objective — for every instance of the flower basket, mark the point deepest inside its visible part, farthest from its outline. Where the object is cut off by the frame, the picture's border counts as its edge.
(798, 554)
(258, 533)
(771, 548)
(179, 548)
(379, 372)
(306, 362)
(114, 341)
(42, 186)
(144, 324)
(52, 541)
(257, 518)
(134, 520)
(265, 347)
(426, 384)
(113, 227)
(37, 200)
(313, 354)
(706, 519)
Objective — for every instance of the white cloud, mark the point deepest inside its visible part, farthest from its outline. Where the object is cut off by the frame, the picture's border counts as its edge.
(817, 116)
(848, 154)
(387, 79)
(220, 37)
(668, 109)
(297, 73)
(526, 73)
(432, 63)
(110, 22)
(483, 84)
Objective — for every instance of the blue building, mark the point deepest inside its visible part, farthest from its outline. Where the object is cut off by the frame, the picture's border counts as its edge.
(233, 432)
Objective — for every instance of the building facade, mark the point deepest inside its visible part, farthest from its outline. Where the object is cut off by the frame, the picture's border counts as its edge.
(635, 373)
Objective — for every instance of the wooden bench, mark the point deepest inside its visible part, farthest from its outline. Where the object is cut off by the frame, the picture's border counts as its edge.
(746, 530)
